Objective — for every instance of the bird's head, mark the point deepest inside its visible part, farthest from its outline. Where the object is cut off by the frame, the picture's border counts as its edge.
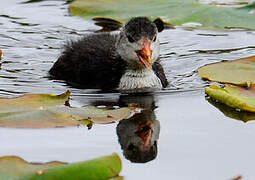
(138, 42)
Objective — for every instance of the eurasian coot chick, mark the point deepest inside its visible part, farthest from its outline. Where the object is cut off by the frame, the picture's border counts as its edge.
(127, 60)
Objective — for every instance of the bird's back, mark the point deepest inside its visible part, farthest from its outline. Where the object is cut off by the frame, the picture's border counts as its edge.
(91, 62)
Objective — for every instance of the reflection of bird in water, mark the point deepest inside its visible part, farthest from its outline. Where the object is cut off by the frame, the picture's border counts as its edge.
(138, 135)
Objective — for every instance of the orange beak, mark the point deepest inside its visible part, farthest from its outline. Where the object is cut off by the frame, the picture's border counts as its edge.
(145, 132)
(144, 55)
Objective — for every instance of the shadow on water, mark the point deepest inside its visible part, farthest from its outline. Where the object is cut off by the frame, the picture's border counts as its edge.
(137, 135)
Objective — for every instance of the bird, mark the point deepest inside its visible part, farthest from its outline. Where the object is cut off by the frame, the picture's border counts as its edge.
(126, 60)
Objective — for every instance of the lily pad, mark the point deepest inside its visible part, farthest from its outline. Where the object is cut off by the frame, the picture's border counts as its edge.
(16, 168)
(47, 111)
(231, 112)
(228, 3)
(239, 72)
(178, 12)
(234, 96)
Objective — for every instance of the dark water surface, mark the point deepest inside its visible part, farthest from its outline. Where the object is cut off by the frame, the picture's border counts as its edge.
(192, 138)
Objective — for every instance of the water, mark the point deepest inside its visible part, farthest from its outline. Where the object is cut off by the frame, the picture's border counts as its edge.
(227, 3)
(195, 141)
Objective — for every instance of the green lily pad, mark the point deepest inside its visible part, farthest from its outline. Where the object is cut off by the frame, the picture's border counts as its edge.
(47, 111)
(231, 112)
(234, 96)
(228, 3)
(239, 72)
(16, 168)
(178, 12)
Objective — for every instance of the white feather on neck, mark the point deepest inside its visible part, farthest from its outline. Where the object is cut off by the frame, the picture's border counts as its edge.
(137, 79)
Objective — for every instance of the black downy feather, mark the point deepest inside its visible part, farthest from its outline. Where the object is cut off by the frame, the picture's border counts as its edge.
(92, 62)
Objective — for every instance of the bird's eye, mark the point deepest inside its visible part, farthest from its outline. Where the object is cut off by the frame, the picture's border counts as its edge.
(155, 38)
(130, 39)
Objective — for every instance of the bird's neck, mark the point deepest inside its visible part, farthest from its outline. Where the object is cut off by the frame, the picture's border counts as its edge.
(139, 79)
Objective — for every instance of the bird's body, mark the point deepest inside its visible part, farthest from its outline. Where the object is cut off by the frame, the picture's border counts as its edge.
(91, 62)
(107, 61)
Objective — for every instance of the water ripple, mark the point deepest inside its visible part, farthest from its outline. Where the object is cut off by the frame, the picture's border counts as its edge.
(32, 38)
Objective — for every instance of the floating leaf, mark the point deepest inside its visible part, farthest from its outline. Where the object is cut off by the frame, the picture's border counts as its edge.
(234, 96)
(0, 53)
(231, 112)
(16, 168)
(228, 3)
(239, 72)
(32, 101)
(94, 114)
(179, 12)
(47, 110)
